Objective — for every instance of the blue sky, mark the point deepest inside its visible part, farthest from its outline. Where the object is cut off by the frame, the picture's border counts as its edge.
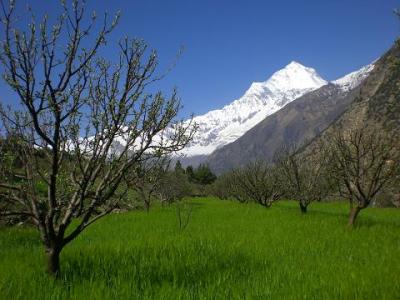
(229, 44)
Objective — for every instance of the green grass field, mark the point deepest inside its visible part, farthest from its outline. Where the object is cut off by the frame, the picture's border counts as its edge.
(228, 251)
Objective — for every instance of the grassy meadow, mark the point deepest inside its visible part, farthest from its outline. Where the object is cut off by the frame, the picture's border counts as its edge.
(228, 251)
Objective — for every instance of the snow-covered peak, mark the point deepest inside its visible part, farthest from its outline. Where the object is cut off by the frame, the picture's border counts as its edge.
(293, 76)
(223, 126)
(220, 127)
(352, 80)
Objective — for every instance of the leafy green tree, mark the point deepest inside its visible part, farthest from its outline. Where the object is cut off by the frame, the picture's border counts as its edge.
(203, 175)
(190, 173)
(178, 167)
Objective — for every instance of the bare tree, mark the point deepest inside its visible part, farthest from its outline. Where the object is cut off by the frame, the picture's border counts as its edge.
(362, 162)
(234, 187)
(257, 182)
(173, 186)
(301, 178)
(146, 179)
(91, 121)
(224, 187)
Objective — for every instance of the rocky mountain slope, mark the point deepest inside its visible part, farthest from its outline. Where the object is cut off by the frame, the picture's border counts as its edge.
(297, 122)
(378, 102)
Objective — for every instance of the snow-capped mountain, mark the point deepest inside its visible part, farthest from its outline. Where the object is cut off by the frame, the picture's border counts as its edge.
(297, 123)
(220, 127)
(223, 126)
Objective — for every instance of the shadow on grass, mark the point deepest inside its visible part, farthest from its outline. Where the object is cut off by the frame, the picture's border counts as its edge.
(312, 209)
(156, 266)
(194, 206)
(16, 237)
(363, 220)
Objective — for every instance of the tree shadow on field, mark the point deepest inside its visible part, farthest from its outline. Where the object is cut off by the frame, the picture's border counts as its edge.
(370, 221)
(195, 205)
(149, 267)
(364, 219)
(16, 238)
(311, 210)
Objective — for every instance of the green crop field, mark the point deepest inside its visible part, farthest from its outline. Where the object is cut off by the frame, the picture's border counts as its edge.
(227, 251)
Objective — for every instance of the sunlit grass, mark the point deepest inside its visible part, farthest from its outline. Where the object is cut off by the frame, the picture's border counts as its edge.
(228, 251)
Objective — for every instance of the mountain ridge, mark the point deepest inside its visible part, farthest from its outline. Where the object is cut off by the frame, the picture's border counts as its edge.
(222, 126)
(377, 106)
(299, 121)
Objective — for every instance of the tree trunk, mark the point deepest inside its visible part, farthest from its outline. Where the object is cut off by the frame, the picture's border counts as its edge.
(147, 206)
(351, 203)
(266, 204)
(303, 207)
(53, 260)
(353, 215)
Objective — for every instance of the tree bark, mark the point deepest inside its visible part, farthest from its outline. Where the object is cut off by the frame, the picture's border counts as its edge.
(351, 203)
(147, 206)
(353, 215)
(53, 260)
(303, 208)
